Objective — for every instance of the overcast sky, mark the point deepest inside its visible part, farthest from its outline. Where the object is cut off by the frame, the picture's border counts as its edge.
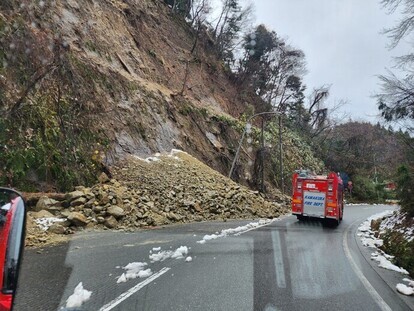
(343, 44)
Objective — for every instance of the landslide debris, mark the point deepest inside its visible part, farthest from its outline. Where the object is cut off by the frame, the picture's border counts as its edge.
(160, 190)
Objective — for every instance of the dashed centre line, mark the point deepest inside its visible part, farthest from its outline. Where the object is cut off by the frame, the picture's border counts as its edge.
(133, 290)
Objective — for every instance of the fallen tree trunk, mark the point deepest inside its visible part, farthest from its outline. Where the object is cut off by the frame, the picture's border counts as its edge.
(31, 198)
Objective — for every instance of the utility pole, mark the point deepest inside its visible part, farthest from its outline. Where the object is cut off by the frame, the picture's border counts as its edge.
(282, 179)
(376, 179)
(262, 159)
(236, 157)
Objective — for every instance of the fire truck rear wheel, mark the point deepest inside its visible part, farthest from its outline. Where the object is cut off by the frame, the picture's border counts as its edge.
(300, 217)
(331, 223)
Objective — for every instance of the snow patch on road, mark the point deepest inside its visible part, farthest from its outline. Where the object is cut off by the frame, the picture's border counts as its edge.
(235, 231)
(189, 259)
(79, 296)
(160, 256)
(134, 270)
(179, 253)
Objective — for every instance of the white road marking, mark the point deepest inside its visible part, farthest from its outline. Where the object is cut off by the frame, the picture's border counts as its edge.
(133, 290)
(277, 251)
(371, 290)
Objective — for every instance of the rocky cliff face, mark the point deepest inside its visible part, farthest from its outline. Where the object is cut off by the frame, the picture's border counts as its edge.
(146, 50)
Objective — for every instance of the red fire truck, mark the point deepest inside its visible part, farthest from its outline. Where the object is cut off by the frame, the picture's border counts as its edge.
(318, 196)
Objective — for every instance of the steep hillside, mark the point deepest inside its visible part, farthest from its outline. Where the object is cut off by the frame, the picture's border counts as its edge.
(86, 83)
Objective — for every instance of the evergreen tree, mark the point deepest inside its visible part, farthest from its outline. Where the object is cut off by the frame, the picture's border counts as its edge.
(405, 189)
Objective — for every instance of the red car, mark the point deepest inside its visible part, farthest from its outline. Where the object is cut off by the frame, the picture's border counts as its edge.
(12, 233)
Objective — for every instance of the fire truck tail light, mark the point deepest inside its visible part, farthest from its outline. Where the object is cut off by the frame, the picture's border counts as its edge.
(297, 200)
(331, 211)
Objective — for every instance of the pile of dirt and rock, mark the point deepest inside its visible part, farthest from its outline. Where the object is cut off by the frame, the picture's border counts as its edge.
(160, 190)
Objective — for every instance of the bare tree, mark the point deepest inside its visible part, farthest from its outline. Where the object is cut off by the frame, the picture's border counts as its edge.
(287, 73)
(273, 68)
(396, 101)
(229, 26)
(199, 11)
(406, 25)
(397, 98)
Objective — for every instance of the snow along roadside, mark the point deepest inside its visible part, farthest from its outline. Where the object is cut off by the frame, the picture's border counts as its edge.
(368, 239)
(237, 231)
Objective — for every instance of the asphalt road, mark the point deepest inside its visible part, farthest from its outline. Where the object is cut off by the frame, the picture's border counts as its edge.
(286, 265)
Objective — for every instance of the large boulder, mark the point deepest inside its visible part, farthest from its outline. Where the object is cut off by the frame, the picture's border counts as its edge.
(78, 201)
(46, 203)
(74, 195)
(111, 222)
(65, 213)
(78, 219)
(115, 211)
(57, 229)
(103, 178)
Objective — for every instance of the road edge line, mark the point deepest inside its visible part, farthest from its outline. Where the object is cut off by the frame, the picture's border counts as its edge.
(112, 304)
(371, 290)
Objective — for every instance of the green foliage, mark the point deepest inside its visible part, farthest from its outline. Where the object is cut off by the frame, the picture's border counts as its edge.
(92, 46)
(47, 141)
(185, 109)
(152, 53)
(297, 153)
(405, 189)
(367, 153)
(364, 189)
(228, 121)
(395, 244)
(47, 145)
(203, 112)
